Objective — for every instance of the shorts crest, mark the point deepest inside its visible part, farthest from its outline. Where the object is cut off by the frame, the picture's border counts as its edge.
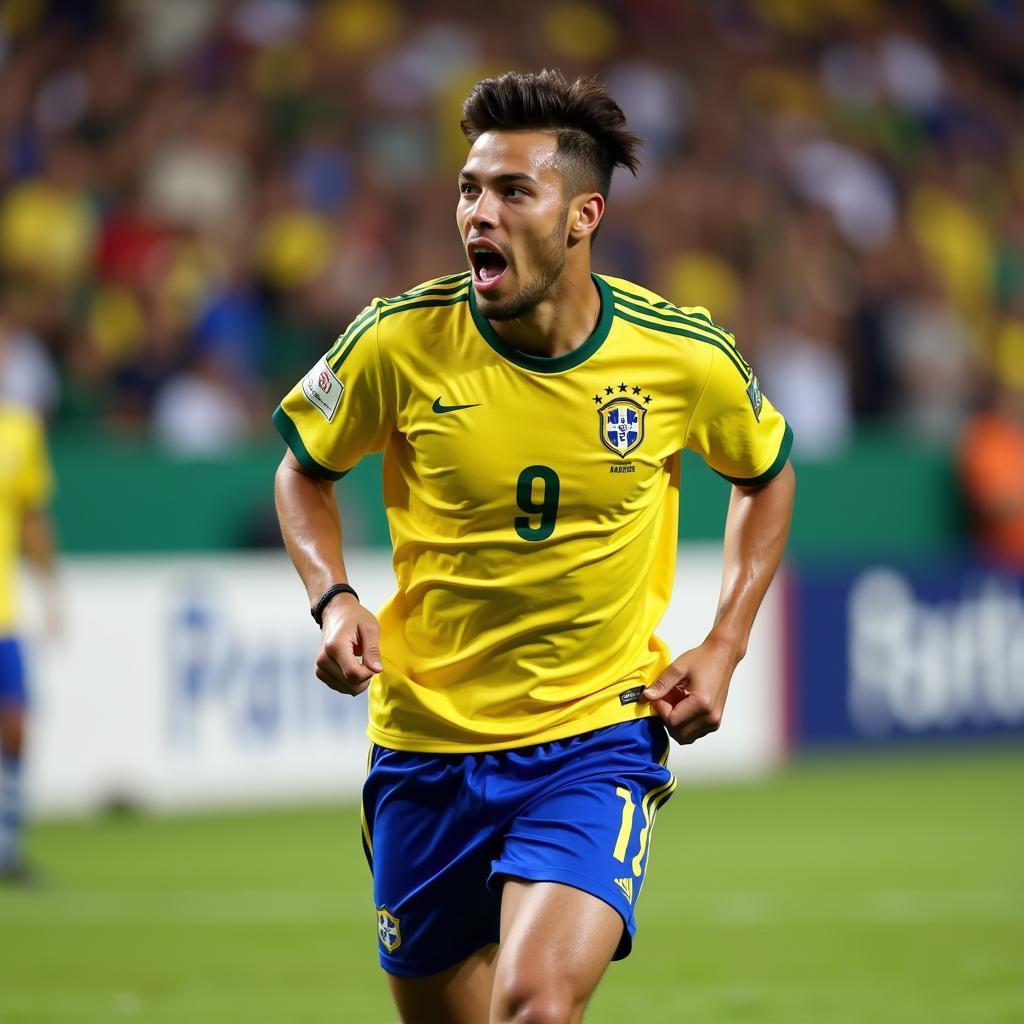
(389, 931)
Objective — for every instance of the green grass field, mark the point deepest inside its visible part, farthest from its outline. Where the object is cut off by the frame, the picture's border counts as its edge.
(883, 889)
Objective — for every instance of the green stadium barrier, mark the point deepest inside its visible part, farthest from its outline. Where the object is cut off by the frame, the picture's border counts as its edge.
(883, 497)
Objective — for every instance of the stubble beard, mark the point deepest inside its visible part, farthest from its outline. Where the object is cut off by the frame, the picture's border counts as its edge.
(552, 263)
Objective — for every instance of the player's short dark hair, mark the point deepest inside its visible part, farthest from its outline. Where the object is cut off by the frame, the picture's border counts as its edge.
(589, 126)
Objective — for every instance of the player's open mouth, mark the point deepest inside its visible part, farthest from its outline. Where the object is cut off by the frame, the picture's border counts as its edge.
(489, 265)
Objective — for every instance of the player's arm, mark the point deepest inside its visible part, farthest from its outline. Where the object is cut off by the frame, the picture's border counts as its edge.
(738, 432)
(38, 542)
(40, 549)
(334, 416)
(311, 526)
(690, 694)
(34, 487)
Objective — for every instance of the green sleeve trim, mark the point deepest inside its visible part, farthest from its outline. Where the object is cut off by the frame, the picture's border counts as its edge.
(367, 314)
(691, 333)
(772, 471)
(450, 283)
(287, 429)
(427, 302)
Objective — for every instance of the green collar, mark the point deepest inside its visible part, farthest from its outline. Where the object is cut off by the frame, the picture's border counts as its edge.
(548, 364)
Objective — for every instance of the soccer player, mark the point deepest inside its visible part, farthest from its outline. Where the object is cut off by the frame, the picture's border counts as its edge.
(26, 486)
(531, 414)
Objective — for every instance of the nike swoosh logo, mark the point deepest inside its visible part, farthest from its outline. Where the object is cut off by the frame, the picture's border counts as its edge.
(438, 407)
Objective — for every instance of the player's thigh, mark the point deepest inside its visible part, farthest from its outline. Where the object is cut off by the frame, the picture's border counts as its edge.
(556, 942)
(12, 729)
(590, 827)
(459, 995)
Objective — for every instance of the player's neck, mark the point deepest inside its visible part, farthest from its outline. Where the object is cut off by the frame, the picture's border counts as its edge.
(559, 323)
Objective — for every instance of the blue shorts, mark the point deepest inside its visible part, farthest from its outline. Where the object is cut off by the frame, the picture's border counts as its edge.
(443, 831)
(12, 674)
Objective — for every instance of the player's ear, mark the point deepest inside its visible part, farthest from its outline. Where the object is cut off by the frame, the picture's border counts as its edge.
(585, 213)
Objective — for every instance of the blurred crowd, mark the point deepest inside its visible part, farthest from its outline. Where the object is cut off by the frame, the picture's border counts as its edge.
(196, 197)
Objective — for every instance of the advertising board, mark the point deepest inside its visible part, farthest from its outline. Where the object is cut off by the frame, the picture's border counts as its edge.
(184, 682)
(889, 653)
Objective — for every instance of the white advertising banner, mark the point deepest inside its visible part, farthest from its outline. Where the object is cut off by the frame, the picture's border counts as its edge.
(186, 682)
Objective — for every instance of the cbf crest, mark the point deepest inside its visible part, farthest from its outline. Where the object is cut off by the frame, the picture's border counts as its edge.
(621, 415)
(388, 929)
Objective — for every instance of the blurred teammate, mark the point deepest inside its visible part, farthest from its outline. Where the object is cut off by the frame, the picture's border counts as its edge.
(26, 487)
(531, 414)
(992, 469)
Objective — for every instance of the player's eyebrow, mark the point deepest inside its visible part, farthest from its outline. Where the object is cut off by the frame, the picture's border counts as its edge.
(499, 179)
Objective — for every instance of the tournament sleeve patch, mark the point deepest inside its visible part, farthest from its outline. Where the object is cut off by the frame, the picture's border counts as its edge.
(756, 400)
(322, 389)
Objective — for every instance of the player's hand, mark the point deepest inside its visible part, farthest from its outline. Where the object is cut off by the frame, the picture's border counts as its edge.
(689, 696)
(350, 651)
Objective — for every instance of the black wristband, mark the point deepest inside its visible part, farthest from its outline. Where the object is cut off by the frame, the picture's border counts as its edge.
(317, 611)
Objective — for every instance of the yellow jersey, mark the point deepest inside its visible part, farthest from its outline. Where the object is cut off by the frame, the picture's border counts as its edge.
(26, 482)
(532, 502)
